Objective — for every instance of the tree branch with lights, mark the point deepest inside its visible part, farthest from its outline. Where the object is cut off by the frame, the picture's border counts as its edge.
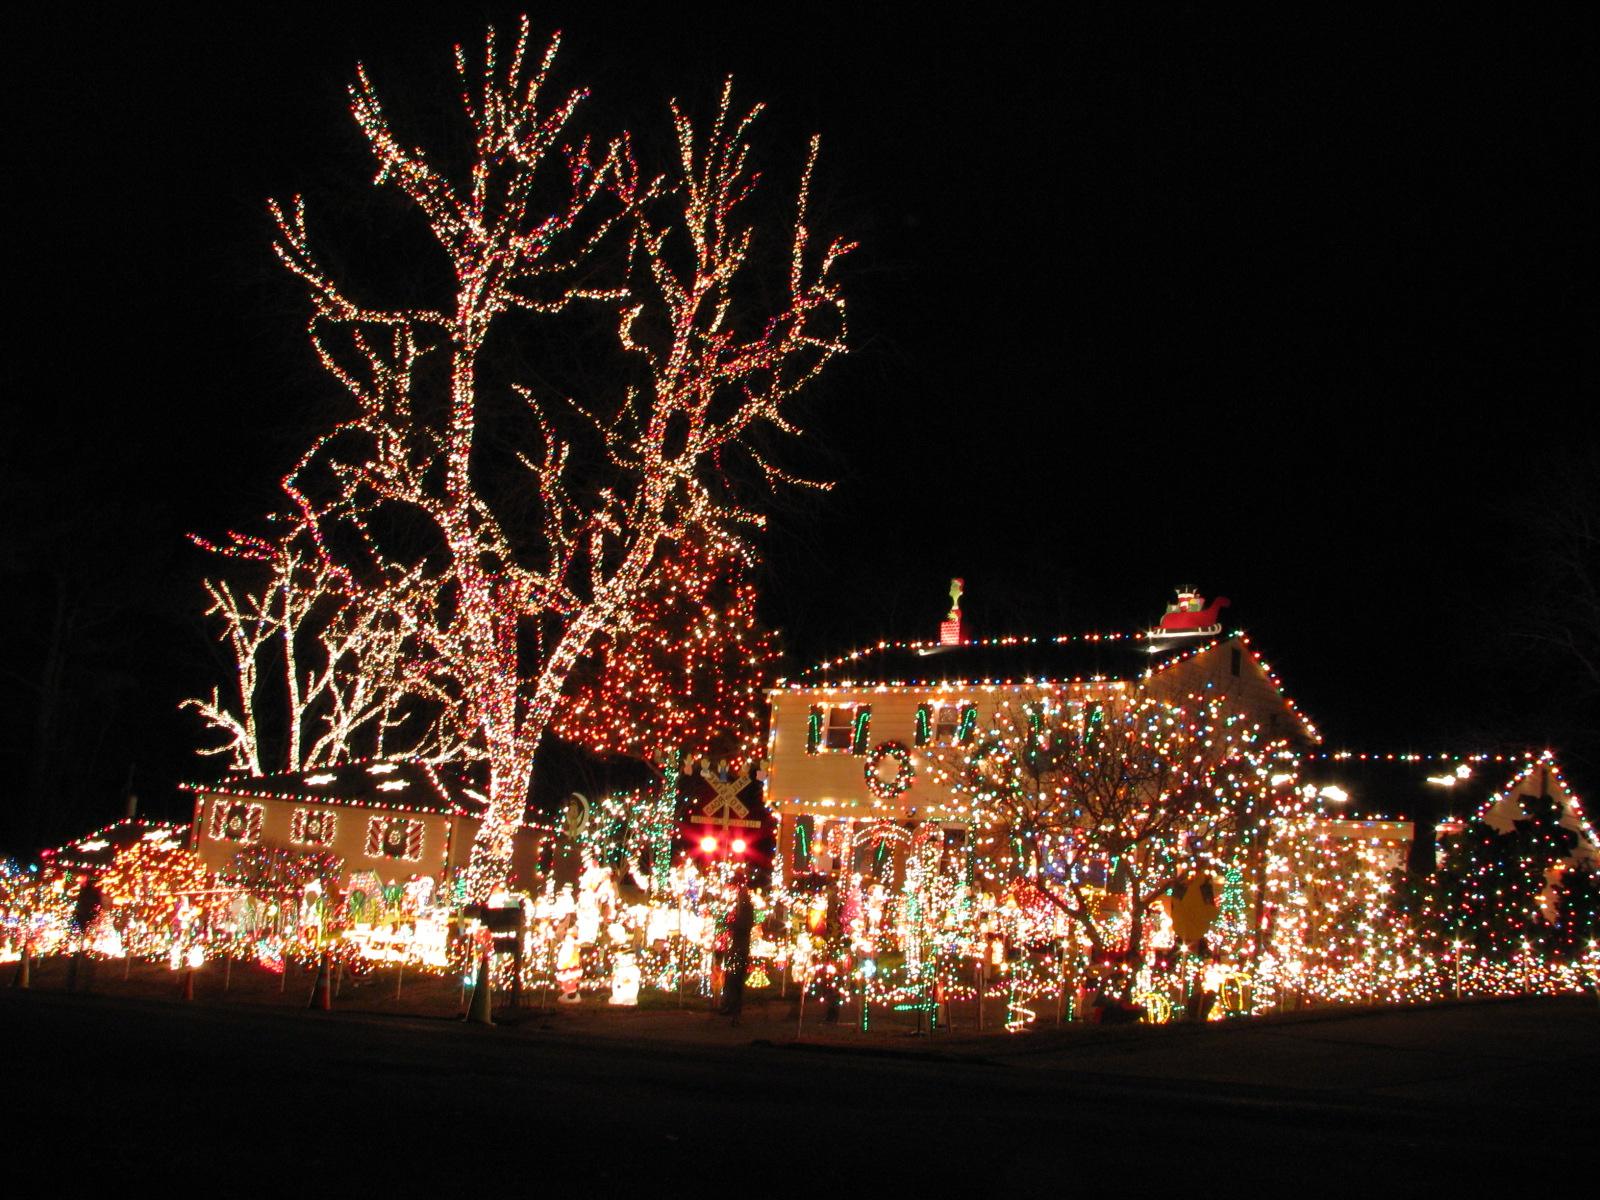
(320, 672)
(1086, 801)
(497, 601)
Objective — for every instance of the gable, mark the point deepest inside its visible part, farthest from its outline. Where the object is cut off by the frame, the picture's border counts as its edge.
(1542, 778)
(1231, 668)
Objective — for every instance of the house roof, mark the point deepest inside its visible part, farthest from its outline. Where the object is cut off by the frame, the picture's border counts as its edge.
(401, 784)
(94, 852)
(452, 789)
(1067, 658)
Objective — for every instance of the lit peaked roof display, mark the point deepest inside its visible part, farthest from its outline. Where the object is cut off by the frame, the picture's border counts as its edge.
(94, 852)
(1019, 661)
(368, 783)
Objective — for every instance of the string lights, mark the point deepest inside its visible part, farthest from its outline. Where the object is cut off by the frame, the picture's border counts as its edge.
(684, 678)
(527, 232)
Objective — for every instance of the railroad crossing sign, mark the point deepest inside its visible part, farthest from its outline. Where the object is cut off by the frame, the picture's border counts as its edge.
(725, 809)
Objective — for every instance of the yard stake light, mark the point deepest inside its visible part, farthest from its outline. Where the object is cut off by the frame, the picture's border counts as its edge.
(322, 988)
(481, 1011)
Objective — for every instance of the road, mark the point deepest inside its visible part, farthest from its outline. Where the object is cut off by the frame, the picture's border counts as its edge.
(237, 1099)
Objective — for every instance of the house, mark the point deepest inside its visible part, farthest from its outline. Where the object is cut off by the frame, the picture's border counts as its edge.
(93, 854)
(850, 739)
(1426, 800)
(393, 818)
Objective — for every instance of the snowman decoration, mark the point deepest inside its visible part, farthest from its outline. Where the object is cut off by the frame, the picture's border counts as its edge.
(625, 980)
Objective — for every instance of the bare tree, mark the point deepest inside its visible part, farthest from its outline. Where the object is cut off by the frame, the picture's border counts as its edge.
(1562, 527)
(1125, 798)
(320, 676)
(505, 598)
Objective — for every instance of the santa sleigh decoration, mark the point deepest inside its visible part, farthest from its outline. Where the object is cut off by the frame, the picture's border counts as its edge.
(1189, 616)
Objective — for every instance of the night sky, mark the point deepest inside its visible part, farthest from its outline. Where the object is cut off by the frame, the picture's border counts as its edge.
(1298, 310)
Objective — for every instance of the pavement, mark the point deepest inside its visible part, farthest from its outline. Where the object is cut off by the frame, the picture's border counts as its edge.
(240, 1098)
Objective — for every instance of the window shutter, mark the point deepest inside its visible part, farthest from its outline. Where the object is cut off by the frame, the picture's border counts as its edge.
(863, 729)
(802, 842)
(969, 723)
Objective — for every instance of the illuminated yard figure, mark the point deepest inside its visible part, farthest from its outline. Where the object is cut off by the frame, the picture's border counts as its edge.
(498, 577)
(1189, 616)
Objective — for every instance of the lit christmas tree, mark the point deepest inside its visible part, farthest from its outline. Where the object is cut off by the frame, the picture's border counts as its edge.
(683, 681)
(685, 677)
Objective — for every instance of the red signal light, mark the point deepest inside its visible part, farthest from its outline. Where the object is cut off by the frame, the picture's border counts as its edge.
(738, 846)
(708, 844)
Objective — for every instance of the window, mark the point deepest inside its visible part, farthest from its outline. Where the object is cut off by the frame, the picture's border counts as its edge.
(841, 727)
(1238, 659)
(838, 728)
(312, 827)
(394, 837)
(234, 821)
(951, 722)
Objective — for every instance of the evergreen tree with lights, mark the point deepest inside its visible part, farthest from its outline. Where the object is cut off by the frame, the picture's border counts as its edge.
(681, 681)
(684, 677)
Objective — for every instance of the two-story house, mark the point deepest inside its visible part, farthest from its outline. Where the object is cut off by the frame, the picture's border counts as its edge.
(851, 738)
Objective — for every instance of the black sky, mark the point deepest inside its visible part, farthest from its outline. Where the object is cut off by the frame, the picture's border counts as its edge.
(1297, 309)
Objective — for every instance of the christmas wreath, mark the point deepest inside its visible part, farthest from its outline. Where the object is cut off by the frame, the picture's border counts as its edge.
(888, 789)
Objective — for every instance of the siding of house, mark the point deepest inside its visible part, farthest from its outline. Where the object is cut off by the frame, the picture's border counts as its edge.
(435, 852)
(445, 845)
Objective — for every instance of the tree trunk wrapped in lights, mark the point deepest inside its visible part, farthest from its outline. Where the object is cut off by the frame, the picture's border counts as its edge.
(507, 588)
